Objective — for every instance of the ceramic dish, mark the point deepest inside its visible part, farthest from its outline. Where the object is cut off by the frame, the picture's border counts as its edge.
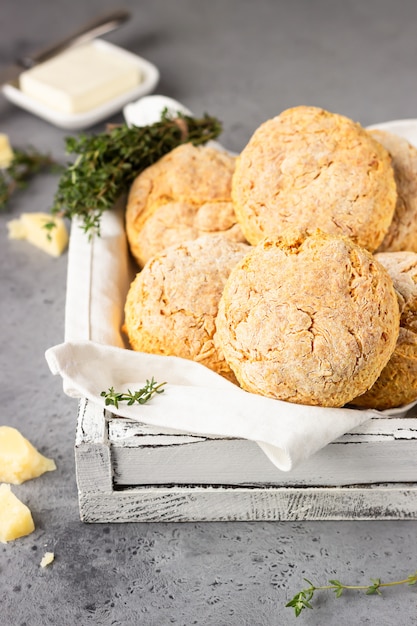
(78, 121)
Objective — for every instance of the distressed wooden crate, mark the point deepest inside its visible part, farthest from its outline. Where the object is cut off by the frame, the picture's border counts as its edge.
(132, 472)
(129, 472)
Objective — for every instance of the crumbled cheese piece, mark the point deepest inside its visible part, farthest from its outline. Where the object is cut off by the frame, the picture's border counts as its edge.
(47, 559)
(19, 460)
(6, 152)
(15, 517)
(31, 226)
(81, 78)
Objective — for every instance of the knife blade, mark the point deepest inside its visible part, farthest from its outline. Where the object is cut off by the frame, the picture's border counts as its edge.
(95, 28)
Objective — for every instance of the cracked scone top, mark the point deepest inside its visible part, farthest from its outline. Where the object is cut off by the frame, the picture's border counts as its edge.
(402, 233)
(308, 168)
(172, 303)
(397, 383)
(310, 319)
(183, 196)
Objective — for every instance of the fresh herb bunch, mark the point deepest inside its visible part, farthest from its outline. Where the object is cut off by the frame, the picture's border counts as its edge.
(302, 599)
(24, 165)
(107, 163)
(141, 396)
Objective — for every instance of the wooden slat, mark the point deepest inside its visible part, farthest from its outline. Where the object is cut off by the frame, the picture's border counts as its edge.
(183, 504)
(383, 450)
(121, 429)
(92, 450)
(239, 462)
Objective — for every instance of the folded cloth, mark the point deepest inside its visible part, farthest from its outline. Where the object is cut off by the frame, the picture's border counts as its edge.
(199, 401)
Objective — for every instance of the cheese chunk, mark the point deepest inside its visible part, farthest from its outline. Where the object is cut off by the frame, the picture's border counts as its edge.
(47, 559)
(15, 517)
(19, 460)
(6, 152)
(31, 226)
(81, 78)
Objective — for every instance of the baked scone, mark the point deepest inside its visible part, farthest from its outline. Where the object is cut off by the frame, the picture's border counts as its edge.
(402, 233)
(397, 383)
(184, 195)
(308, 318)
(172, 303)
(308, 168)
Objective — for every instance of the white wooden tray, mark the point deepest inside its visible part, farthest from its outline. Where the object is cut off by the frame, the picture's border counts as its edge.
(132, 472)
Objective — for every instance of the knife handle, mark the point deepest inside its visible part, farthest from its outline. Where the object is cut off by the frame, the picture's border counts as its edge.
(95, 28)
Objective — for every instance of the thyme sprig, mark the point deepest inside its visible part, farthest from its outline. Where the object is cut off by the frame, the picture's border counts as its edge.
(302, 599)
(107, 163)
(25, 163)
(141, 396)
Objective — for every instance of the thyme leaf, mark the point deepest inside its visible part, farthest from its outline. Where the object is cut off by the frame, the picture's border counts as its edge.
(141, 396)
(107, 163)
(301, 600)
(25, 164)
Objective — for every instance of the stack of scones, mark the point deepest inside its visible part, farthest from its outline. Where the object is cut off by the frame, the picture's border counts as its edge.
(290, 269)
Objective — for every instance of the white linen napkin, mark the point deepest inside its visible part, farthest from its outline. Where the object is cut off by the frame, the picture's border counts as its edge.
(199, 401)
(94, 357)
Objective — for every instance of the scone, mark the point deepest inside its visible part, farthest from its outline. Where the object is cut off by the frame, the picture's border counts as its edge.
(397, 383)
(310, 319)
(184, 195)
(308, 168)
(402, 233)
(172, 303)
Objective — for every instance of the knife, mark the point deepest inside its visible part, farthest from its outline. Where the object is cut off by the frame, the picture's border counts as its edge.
(93, 29)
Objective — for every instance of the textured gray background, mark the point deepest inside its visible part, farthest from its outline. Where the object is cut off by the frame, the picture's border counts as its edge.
(243, 61)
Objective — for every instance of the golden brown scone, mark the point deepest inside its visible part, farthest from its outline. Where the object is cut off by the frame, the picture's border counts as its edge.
(172, 303)
(184, 195)
(310, 319)
(308, 168)
(397, 383)
(402, 233)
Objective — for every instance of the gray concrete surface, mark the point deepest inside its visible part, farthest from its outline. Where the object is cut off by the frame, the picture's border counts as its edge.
(243, 61)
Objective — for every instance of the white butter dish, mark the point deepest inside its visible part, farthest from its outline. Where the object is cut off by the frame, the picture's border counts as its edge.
(149, 77)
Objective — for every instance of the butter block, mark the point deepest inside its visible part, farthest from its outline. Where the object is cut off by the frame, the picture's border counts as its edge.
(31, 226)
(6, 152)
(15, 517)
(81, 78)
(19, 459)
